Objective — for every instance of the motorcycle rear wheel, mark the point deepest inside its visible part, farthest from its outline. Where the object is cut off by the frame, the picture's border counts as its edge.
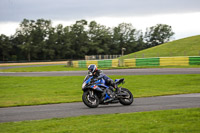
(89, 101)
(128, 100)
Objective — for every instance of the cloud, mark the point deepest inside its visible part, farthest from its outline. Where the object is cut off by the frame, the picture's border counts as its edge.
(184, 25)
(182, 15)
(17, 10)
(8, 28)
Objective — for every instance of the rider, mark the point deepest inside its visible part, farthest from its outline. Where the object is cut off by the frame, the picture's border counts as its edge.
(99, 74)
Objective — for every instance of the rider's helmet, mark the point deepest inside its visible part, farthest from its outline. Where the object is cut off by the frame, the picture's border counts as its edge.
(92, 68)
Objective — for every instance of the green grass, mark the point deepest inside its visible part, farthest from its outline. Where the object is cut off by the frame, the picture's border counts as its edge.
(184, 47)
(166, 121)
(48, 68)
(43, 68)
(18, 91)
(64, 68)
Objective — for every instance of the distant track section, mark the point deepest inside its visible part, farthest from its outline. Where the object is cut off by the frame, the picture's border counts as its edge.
(147, 71)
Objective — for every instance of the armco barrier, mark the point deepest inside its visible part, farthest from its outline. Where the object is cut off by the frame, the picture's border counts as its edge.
(115, 63)
(147, 62)
(91, 62)
(194, 60)
(130, 62)
(82, 63)
(104, 63)
(163, 61)
(75, 63)
(99, 63)
(174, 61)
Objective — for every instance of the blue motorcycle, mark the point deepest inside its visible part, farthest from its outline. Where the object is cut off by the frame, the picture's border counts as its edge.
(95, 92)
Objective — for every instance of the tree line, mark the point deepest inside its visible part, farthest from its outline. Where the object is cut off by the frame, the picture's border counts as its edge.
(39, 40)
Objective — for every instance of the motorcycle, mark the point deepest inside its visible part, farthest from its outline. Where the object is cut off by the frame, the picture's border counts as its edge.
(95, 92)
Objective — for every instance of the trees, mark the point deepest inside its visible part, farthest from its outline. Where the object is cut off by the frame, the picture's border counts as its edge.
(39, 35)
(38, 40)
(79, 39)
(99, 38)
(24, 32)
(33, 34)
(126, 36)
(5, 47)
(62, 43)
(159, 34)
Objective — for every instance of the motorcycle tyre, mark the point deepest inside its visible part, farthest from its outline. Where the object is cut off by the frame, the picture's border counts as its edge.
(85, 101)
(122, 101)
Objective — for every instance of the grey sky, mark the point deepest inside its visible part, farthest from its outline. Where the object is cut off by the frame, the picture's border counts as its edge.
(17, 10)
(182, 15)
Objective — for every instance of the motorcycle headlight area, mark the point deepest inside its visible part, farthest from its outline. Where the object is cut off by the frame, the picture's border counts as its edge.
(83, 85)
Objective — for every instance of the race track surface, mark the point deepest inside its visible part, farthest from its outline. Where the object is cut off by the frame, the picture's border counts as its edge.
(78, 109)
(147, 71)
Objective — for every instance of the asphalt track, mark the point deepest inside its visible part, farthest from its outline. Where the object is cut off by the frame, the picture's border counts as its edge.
(146, 71)
(79, 109)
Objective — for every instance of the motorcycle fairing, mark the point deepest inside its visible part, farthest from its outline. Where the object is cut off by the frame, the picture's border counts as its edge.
(95, 87)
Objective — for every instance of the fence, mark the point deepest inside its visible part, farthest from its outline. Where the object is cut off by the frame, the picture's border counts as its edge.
(100, 57)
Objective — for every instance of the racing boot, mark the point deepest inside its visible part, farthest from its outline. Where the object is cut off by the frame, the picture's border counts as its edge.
(118, 91)
(111, 95)
(111, 92)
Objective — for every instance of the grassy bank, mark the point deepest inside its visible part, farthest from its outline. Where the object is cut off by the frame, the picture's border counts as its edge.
(183, 47)
(168, 121)
(17, 91)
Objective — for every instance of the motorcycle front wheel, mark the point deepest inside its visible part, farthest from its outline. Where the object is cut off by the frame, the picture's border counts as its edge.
(89, 100)
(126, 100)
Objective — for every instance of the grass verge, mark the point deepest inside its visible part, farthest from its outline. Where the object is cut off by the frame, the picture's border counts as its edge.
(42, 69)
(18, 91)
(165, 121)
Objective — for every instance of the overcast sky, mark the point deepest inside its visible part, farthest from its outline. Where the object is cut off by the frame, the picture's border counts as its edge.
(182, 15)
